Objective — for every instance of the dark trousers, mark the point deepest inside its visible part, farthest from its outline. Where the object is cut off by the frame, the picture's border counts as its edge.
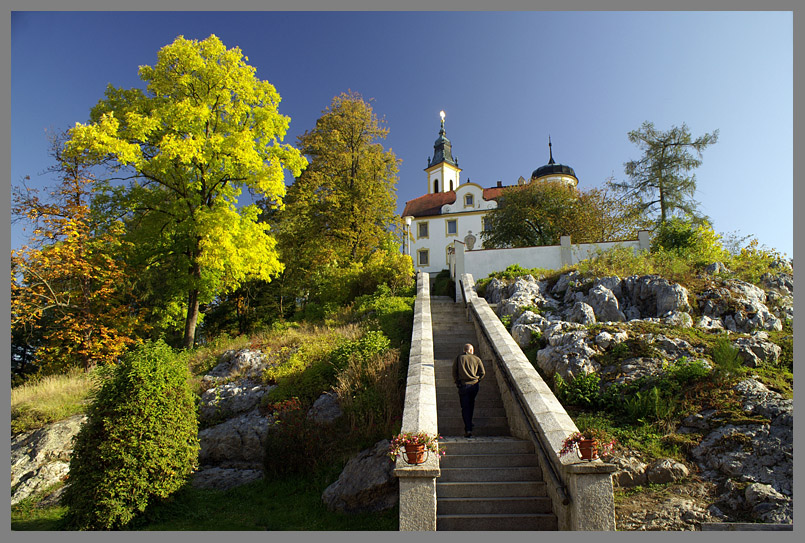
(466, 396)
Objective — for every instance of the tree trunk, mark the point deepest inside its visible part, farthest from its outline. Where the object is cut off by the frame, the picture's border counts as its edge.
(191, 320)
(192, 306)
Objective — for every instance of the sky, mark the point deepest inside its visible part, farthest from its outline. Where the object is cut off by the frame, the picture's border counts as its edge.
(507, 81)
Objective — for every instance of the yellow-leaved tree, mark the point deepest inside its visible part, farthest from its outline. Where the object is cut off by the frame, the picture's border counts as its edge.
(204, 129)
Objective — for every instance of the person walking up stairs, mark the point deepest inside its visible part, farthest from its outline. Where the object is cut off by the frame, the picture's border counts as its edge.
(489, 480)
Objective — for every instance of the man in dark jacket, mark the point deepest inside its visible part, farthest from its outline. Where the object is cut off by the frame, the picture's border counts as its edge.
(468, 370)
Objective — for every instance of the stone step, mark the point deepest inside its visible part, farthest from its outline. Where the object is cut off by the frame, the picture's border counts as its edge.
(490, 489)
(478, 423)
(498, 445)
(447, 410)
(454, 460)
(477, 431)
(530, 522)
(496, 506)
(496, 474)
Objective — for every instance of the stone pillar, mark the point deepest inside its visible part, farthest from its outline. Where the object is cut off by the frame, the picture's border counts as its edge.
(458, 257)
(418, 494)
(643, 241)
(566, 255)
(592, 503)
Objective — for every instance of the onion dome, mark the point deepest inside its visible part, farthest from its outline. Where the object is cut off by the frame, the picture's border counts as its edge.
(552, 168)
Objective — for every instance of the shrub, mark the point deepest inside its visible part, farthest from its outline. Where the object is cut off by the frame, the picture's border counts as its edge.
(443, 285)
(296, 445)
(370, 391)
(393, 315)
(753, 261)
(140, 441)
(696, 243)
(727, 361)
(650, 405)
(684, 370)
(582, 391)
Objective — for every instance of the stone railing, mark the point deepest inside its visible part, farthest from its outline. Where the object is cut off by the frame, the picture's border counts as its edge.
(418, 482)
(581, 491)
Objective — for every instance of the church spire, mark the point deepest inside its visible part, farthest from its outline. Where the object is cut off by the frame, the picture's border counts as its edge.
(550, 150)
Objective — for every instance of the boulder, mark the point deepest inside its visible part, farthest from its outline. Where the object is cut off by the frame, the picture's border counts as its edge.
(495, 291)
(236, 443)
(653, 295)
(367, 483)
(325, 409)
(757, 350)
(631, 472)
(581, 313)
(217, 478)
(666, 470)
(232, 398)
(605, 304)
(523, 334)
(246, 363)
(41, 458)
(716, 268)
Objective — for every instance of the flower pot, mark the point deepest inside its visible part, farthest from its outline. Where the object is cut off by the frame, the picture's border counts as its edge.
(415, 454)
(587, 449)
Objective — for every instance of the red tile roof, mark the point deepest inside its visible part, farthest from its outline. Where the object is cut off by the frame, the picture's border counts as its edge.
(431, 204)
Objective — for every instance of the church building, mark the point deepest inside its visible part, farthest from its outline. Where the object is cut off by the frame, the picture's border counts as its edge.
(451, 210)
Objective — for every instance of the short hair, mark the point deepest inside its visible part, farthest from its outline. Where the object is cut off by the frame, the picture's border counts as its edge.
(468, 348)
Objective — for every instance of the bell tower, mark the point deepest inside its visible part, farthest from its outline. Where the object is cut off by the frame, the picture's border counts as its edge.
(443, 171)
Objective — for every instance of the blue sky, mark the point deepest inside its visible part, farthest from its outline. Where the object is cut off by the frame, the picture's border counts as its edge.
(506, 81)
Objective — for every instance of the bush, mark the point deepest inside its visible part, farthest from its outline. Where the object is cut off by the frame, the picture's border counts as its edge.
(727, 361)
(140, 441)
(650, 405)
(582, 391)
(696, 243)
(296, 445)
(392, 315)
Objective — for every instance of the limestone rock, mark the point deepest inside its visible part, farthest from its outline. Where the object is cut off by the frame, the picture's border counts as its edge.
(325, 409)
(245, 363)
(495, 291)
(217, 478)
(605, 304)
(367, 483)
(631, 472)
(581, 313)
(757, 350)
(653, 295)
(666, 470)
(230, 399)
(40, 458)
(238, 442)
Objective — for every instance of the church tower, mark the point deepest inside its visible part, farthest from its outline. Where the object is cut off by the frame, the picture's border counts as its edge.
(555, 172)
(443, 171)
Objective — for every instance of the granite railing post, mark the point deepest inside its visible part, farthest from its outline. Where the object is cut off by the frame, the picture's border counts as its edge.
(418, 482)
(581, 491)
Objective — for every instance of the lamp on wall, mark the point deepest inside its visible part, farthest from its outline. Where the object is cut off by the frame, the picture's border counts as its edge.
(407, 240)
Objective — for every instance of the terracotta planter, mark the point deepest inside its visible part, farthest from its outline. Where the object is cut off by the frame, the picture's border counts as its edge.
(587, 449)
(415, 454)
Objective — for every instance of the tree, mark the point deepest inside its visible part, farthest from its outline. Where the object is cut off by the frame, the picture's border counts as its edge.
(601, 215)
(342, 206)
(204, 129)
(531, 215)
(69, 292)
(661, 177)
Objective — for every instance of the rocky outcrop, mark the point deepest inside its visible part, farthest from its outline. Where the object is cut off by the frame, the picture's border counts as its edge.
(232, 364)
(41, 458)
(367, 483)
(230, 399)
(737, 306)
(325, 409)
(238, 442)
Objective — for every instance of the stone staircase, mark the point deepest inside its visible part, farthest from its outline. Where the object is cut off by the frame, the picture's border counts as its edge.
(491, 481)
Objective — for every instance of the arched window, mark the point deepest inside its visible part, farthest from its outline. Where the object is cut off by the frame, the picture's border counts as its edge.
(436, 186)
(451, 184)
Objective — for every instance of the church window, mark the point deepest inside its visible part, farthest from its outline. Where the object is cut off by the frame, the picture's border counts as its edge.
(487, 227)
(469, 201)
(422, 230)
(451, 184)
(435, 186)
(452, 227)
(422, 257)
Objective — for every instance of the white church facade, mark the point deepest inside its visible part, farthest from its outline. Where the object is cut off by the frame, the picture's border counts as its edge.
(451, 211)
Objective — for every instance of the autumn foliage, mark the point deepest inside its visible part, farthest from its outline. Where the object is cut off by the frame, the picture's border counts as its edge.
(67, 286)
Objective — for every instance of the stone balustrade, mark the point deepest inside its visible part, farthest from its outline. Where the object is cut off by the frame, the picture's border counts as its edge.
(418, 482)
(581, 491)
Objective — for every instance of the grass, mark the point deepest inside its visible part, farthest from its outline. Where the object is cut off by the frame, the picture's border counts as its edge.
(281, 505)
(35, 404)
